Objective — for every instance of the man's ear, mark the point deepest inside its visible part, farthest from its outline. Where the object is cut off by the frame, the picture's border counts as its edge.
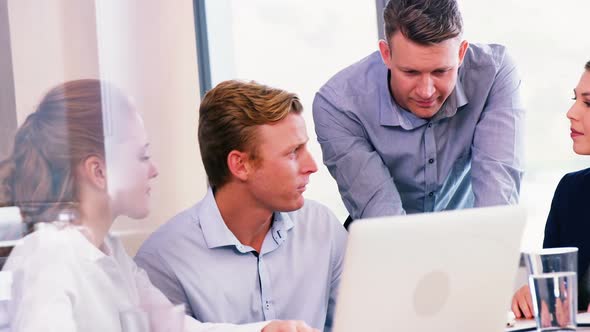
(239, 164)
(94, 170)
(385, 51)
(462, 50)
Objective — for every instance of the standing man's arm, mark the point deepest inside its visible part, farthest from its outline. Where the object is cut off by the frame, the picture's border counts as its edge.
(498, 143)
(365, 183)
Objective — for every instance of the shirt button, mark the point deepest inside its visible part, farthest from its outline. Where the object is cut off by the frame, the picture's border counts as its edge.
(430, 161)
(430, 194)
(430, 125)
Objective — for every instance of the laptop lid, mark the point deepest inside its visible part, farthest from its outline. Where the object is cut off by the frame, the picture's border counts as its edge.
(444, 271)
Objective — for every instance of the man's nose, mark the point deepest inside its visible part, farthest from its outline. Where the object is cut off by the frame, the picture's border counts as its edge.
(425, 88)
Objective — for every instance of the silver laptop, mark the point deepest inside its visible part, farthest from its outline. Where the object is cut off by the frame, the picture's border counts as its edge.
(435, 272)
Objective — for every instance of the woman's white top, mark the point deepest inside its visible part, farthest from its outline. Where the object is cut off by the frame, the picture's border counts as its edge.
(62, 282)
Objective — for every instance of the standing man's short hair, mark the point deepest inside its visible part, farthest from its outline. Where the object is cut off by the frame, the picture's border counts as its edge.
(228, 117)
(424, 22)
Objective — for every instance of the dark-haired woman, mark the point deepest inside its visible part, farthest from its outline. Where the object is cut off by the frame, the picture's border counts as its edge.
(567, 224)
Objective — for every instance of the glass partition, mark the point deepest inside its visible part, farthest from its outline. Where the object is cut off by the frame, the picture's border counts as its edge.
(90, 94)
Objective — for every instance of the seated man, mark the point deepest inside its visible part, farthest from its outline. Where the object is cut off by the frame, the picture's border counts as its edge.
(252, 249)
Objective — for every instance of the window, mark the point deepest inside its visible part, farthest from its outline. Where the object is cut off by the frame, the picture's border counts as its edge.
(549, 44)
(293, 45)
(299, 46)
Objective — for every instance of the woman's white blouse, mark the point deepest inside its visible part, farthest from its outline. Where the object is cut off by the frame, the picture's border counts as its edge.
(62, 282)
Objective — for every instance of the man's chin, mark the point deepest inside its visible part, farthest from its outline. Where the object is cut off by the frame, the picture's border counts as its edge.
(294, 205)
(425, 113)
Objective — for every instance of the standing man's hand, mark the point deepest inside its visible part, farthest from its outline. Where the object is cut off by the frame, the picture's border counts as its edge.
(288, 326)
(522, 303)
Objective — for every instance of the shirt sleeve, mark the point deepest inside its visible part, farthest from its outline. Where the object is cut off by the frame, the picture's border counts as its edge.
(152, 298)
(498, 143)
(50, 314)
(364, 181)
(41, 300)
(338, 249)
(162, 276)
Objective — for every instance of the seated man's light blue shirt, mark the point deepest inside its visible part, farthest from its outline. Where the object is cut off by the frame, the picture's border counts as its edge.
(387, 161)
(196, 260)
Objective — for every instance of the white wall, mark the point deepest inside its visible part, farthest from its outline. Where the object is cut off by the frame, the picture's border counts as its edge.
(52, 41)
(145, 47)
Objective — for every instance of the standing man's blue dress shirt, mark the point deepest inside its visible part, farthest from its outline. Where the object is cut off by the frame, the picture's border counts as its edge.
(387, 161)
(196, 260)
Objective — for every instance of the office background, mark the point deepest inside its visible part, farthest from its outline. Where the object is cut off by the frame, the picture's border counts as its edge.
(164, 54)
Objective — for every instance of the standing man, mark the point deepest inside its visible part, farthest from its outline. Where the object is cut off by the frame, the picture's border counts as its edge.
(252, 249)
(427, 123)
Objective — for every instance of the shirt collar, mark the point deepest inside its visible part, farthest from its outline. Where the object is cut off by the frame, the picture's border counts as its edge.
(278, 234)
(456, 100)
(215, 230)
(84, 248)
(391, 114)
(281, 225)
(217, 234)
